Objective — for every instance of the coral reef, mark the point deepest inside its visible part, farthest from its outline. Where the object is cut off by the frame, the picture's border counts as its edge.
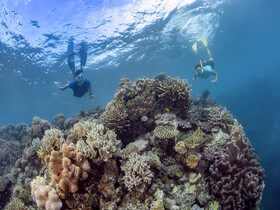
(68, 170)
(16, 204)
(137, 170)
(237, 176)
(44, 195)
(115, 116)
(58, 121)
(38, 127)
(152, 148)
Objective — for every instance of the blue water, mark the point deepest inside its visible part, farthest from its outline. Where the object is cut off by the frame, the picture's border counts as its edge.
(140, 38)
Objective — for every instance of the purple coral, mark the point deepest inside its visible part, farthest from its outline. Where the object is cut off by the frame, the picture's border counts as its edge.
(237, 177)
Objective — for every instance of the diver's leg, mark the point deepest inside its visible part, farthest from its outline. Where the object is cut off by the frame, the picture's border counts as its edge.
(70, 58)
(83, 54)
(209, 54)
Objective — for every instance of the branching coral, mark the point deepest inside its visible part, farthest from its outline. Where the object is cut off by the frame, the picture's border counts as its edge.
(237, 176)
(44, 195)
(195, 140)
(140, 106)
(137, 170)
(16, 204)
(175, 90)
(52, 140)
(99, 144)
(115, 116)
(220, 117)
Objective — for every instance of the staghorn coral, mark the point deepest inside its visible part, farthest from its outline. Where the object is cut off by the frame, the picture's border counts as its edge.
(137, 171)
(221, 117)
(68, 170)
(237, 177)
(140, 106)
(166, 131)
(15, 204)
(44, 195)
(176, 91)
(195, 140)
(115, 117)
(192, 161)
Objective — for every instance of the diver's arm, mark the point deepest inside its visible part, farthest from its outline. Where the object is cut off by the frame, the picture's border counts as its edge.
(65, 87)
(216, 76)
(90, 93)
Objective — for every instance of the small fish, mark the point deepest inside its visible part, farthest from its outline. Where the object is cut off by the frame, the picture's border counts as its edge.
(144, 118)
(138, 201)
(166, 109)
(96, 114)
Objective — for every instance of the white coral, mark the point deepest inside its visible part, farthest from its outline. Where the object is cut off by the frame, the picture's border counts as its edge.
(137, 170)
(44, 195)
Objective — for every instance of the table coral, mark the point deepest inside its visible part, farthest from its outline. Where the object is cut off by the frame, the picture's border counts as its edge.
(166, 131)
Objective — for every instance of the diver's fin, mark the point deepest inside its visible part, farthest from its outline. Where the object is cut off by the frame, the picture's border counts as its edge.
(194, 47)
(204, 41)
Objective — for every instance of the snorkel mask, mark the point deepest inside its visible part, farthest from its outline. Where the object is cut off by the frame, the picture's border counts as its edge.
(80, 78)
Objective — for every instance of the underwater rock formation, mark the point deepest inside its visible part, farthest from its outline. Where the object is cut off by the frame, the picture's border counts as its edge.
(152, 148)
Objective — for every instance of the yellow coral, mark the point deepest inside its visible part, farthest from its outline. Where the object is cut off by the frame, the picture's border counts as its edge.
(16, 204)
(100, 143)
(80, 131)
(192, 161)
(180, 148)
(166, 131)
(52, 140)
(195, 140)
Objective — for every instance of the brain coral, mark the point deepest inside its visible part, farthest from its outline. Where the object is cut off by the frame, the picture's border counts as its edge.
(237, 177)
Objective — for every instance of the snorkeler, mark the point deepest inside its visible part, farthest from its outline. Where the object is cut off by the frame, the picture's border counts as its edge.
(206, 68)
(80, 85)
